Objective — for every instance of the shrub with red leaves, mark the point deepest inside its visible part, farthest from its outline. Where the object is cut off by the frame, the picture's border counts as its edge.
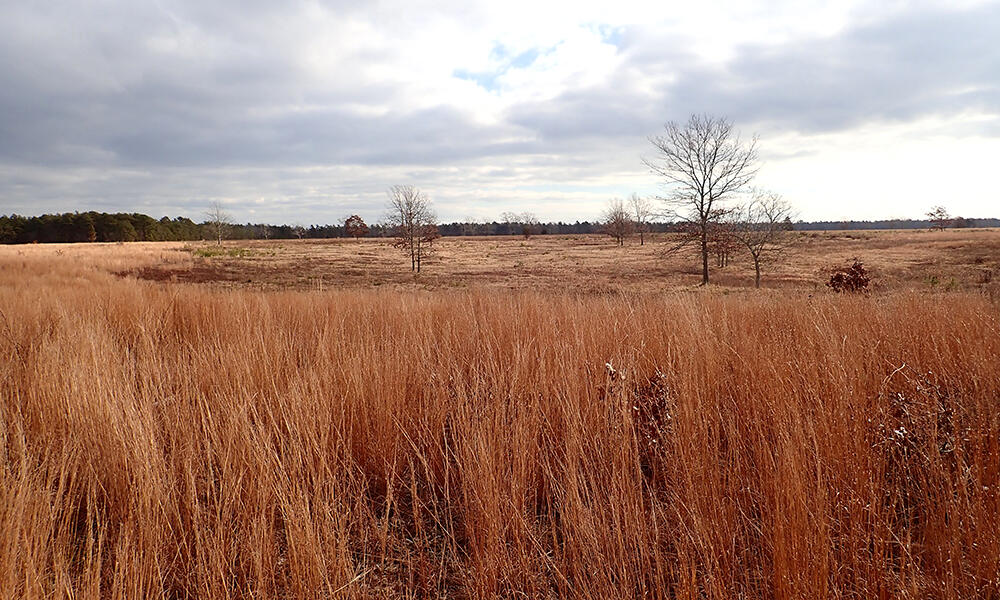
(854, 279)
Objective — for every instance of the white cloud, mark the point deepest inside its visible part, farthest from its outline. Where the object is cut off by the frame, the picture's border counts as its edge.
(894, 170)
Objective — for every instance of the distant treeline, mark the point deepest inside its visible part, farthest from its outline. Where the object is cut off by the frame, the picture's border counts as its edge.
(957, 222)
(513, 228)
(135, 227)
(128, 227)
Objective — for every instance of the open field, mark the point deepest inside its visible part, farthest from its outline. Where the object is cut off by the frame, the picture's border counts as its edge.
(316, 422)
(923, 260)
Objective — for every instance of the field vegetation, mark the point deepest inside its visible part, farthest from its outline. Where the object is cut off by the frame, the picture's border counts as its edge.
(601, 430)
(916, 260)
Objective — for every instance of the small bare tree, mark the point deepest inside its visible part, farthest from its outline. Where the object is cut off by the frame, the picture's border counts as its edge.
(939, 218)
(218, 221)
(759, 226)
(469, 226)
(530, 225)
(703, 163)
(411, 221)
(525, 223)
(642, 210)
(616, 221)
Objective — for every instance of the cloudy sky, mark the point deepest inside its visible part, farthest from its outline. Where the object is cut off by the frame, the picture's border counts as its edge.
(305, 112)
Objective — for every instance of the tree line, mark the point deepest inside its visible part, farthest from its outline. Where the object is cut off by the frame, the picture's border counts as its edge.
(136, 227)
(94, 226)
(128, 227)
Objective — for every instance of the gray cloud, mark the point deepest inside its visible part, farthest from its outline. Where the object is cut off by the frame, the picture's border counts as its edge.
(915, 65)
(934, 63)
(107, 87)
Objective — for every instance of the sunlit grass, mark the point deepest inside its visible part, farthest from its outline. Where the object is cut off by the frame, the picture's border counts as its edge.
(177, 441)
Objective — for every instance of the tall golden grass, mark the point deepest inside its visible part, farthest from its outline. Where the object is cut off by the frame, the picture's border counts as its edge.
(174, 441)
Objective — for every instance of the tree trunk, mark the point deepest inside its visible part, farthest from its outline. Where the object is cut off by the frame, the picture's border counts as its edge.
(704, 253)
(756, 268)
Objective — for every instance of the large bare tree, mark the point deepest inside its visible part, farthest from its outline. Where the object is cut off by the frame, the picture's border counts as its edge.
(218, 221)
(642, 210)
(704, 163)
(412, 223)
(617, 222)
(760, 225)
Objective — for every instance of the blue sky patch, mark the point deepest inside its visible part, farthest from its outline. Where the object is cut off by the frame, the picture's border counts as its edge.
(487, 80)
(500, 53)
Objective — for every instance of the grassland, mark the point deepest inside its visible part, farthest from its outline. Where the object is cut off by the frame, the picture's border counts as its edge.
(920, 260)
(288, 428)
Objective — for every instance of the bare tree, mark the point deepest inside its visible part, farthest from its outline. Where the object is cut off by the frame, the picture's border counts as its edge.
(641, 209)
(704, 163)
(616, 221)
(412, 223)
(759, 225)
(530, 225)
(525, 223)
(469, 226)
(939, 218)
(218, 221)
(299, 231)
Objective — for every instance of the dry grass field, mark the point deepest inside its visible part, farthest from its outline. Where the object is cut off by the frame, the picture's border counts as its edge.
(923, 260)
(311, 421)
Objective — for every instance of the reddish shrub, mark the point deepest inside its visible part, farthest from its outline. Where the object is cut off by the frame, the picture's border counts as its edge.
(854, 279)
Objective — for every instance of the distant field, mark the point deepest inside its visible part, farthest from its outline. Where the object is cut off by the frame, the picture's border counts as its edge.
(310, 420)
(923, 260)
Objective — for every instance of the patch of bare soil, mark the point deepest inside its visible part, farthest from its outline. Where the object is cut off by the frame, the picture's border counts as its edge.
(205, 272)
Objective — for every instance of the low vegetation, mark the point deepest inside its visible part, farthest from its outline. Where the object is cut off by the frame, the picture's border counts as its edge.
(217, 251)
(853, 279)
(168, 440)
(967, 260)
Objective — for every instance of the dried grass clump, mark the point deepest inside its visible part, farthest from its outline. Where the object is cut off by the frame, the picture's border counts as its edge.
(172, 441)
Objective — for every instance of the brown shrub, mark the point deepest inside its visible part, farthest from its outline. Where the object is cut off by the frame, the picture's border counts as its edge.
(853, 279)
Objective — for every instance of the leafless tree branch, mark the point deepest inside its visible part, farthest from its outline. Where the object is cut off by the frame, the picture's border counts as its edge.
(704, 164)
(762, 226)
(412, 222)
